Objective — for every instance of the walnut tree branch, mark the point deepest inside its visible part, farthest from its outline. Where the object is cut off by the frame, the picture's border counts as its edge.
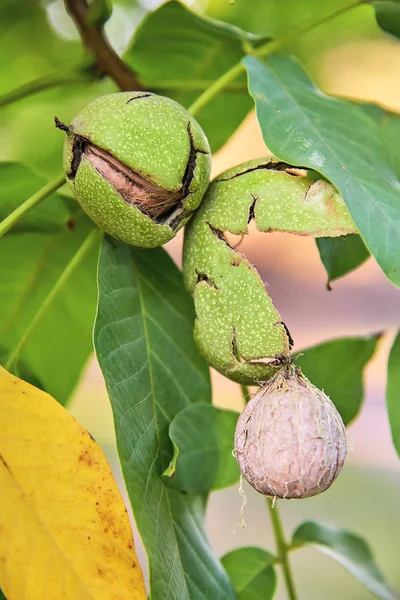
(96, 42)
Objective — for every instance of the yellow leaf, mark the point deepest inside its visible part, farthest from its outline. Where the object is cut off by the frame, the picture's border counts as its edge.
(64, 529)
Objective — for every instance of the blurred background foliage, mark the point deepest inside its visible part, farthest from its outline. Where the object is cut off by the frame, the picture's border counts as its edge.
(38, 39)
(349, 56)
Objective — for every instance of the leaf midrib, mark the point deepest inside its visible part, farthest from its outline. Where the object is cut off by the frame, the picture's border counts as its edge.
(46, 258)
(151, 377)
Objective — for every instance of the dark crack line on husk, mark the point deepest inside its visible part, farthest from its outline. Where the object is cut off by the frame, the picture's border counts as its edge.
(234, 345)
(204, 277)
(191, 164)
(139, 97)
(174, 223)
(291, 340)
(270, 166)
(252, 208)
(78, 148)
(219, 234)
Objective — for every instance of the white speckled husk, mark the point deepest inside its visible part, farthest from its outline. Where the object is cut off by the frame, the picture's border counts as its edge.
(290, 441)
(151, 135)
(237, 328)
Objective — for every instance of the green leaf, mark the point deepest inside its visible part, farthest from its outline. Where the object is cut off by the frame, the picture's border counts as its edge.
(203, 442)
(303, 126)
(337, 368)
(30, 264)
(31, 43)
(2, 596)
(24, 372)
(144, 343)
(340, 255)
(18, 183)
(251, 572)
(30, 38)
(349, 550)
(388, 15)
(392, 393)
(390, 127)
(389, 123)
(179, 53)
(268, 16)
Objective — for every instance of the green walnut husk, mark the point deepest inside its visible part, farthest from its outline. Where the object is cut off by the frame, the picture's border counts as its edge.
(290, 441)
(237, 327)
(138, 164)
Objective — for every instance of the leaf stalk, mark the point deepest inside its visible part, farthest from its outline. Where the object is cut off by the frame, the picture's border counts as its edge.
(48, 82)
(93, 237)
(265, 50)
(28, 204)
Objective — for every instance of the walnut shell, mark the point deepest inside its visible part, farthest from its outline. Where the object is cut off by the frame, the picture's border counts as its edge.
(290, 441)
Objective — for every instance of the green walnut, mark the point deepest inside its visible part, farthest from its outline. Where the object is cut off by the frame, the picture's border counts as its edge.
(138, 164)
(237, 328)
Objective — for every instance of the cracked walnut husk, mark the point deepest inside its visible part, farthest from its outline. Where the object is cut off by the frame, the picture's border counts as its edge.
(139, 165)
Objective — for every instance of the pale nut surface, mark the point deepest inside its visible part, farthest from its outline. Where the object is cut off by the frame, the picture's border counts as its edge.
(290, 441)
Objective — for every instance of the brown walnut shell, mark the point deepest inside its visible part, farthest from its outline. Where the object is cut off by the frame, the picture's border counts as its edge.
(290, 441)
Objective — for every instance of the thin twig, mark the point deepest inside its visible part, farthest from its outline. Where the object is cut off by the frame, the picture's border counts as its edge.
(96, 42)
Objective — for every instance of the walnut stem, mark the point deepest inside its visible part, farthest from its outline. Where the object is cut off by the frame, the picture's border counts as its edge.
(282, 549)
(96, 42)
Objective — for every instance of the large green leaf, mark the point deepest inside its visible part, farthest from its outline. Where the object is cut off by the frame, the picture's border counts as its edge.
(284, 21)
(303, 126)
(251, 572)
(392, 393)
(144, 344)
(388, 15)
(389, 123)
(186, 53)
(349, 550)
(203, 443)
(30, 44)
(18, 183)
(390, 126)
(337, 368)
(30, 264)
(340, 255)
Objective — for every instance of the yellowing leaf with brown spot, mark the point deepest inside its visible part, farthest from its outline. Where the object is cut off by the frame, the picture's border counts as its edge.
(64, 529)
